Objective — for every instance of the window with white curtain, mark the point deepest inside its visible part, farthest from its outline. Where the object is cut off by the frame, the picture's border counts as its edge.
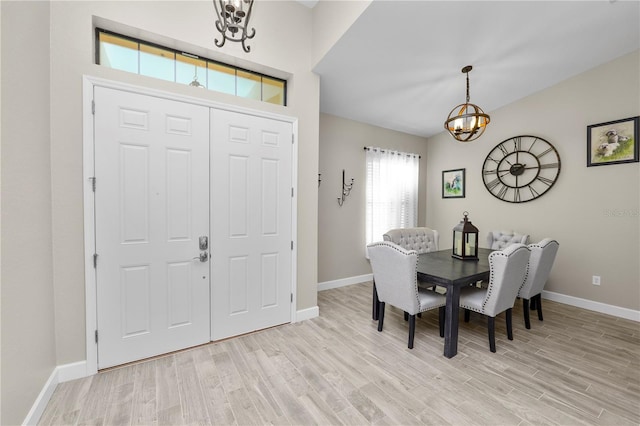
(392, 191)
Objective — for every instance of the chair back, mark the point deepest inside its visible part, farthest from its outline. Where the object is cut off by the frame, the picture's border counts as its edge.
(499, 240)
(422, 240)
(543, 254)
(508, 271)
(394, 272)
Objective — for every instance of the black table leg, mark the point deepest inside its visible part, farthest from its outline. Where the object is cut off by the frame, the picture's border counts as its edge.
(374, 307)
(451, 322)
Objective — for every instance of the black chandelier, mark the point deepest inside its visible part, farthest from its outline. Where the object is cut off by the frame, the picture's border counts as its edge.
(233, 20)
(467, 121)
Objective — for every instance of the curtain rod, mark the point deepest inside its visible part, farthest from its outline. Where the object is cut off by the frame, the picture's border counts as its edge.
(383, 150)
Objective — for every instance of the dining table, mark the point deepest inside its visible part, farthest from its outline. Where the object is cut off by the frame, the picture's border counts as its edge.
(444, 270)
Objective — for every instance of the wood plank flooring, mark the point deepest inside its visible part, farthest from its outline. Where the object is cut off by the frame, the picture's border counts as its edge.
(576, 367)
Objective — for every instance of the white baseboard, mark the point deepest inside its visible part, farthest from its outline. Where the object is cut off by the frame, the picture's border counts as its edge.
(78, 370)
(60, 374)
(344, 282)
(75, 370)
(306, 314)
(33, 417)
(603, 308)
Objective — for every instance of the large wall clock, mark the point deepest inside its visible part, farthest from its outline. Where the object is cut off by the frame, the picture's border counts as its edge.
(521, 169)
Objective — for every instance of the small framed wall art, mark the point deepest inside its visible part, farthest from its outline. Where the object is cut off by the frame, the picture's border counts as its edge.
(453, 183)
(613, 142)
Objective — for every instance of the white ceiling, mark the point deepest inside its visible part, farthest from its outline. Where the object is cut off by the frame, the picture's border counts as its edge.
(399, 65)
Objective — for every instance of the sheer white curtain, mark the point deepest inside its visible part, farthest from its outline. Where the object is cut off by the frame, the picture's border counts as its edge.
(392, 191)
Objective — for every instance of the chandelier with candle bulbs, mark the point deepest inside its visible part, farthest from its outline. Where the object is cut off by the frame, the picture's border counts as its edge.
(233, 21)
(467, 121)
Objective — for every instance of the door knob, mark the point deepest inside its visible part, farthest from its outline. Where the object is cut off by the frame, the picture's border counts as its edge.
(204, 256)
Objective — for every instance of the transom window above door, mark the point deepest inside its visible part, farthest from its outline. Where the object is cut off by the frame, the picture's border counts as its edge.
(140, 57)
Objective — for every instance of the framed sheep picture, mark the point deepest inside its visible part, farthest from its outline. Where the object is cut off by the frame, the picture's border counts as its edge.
(613, 142)
(453, 183)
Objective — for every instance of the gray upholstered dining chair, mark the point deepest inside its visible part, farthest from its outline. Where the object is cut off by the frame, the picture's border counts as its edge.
(394, 272)
(420, 239)
(499, 240)
(508, 270)
(543, 254)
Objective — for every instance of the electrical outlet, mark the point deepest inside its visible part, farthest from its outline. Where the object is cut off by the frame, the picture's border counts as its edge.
(595, 280)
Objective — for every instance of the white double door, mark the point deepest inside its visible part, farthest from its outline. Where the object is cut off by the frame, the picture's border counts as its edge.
(192, 224)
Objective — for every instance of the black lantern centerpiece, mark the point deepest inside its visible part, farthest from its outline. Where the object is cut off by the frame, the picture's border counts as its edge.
(465, 240)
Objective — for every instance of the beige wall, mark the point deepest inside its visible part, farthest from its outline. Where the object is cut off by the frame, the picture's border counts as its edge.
(43, 294)
(28, 346)
(41, 170)
(331, 19)
(341, 230)
(593, 212)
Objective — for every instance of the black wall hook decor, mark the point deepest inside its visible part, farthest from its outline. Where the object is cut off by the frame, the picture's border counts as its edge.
(346, 190)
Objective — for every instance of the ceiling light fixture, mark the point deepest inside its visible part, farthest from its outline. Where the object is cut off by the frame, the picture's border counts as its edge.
(233, 21)
(467, 121)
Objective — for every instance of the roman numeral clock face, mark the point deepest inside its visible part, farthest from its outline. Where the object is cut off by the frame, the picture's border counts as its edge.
(521, 169)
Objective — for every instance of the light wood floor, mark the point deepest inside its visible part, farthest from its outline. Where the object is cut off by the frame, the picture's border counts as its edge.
(575, 367)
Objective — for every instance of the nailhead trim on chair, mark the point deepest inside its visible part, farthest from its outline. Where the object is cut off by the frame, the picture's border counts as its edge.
(491, 279)
(490, 286)
(404, 252)
(546, 241)
(527, 273)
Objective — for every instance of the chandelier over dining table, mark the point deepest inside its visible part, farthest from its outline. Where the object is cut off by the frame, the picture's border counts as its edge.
(467, 121)
(232, 21)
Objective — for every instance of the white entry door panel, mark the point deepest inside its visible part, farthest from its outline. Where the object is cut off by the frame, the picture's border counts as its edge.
(251, 161)
(152, 205)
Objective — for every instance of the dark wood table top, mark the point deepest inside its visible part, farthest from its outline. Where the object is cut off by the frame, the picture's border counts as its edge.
(441, 268)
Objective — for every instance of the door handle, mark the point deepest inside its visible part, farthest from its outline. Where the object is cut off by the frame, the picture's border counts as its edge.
(204, 256)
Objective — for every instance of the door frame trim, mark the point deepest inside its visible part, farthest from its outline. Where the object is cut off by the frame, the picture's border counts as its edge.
(88, 171)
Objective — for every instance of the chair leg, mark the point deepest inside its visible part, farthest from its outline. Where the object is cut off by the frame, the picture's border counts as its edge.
(406, 316)
(374, 307)
(380, 315)
(539, 306)
(412, 329)
(525, 309)
(532, 306)
(509, 316)
(441, 314)
(467, 314)
(491, 326)
(419, 314)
